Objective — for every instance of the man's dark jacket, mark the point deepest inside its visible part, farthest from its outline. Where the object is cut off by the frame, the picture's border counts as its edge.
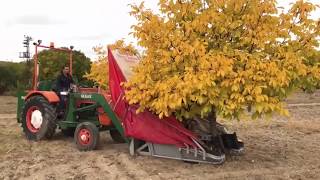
(63, 82)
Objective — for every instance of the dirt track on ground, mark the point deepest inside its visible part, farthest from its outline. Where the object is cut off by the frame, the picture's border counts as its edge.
(278, 148)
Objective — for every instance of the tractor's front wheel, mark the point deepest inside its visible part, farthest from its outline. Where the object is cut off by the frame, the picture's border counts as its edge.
(38, 118)
(86, 136)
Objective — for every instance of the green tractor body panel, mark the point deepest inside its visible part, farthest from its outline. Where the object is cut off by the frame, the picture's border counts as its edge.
(75, 115)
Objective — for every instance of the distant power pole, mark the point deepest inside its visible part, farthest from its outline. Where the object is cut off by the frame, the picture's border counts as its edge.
(27, 72)
(26, 44)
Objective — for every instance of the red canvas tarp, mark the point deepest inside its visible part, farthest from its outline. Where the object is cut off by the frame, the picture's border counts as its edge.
(144, 126)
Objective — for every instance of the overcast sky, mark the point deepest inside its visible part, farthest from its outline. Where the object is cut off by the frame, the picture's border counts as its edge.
(81, 23)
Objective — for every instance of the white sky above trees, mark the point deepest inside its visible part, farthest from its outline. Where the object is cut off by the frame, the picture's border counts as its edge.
(80, 23)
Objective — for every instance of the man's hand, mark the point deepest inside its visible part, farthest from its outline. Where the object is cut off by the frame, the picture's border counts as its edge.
(73, 87)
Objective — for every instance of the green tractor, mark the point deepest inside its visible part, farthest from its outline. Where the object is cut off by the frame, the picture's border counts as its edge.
(87, 111)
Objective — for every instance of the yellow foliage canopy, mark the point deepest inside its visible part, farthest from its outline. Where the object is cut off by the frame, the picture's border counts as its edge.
(224, 55)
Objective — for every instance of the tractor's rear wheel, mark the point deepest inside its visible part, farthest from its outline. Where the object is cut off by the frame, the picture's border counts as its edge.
(86, 136)
(116, 136)
(38, 119)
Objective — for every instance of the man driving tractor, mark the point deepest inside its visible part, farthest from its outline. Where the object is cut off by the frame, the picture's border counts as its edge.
(63, 84)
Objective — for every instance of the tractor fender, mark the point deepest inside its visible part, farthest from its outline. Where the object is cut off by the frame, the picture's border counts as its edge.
(51, 96)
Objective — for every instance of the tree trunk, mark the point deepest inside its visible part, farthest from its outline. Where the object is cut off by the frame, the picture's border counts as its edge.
(212, 118)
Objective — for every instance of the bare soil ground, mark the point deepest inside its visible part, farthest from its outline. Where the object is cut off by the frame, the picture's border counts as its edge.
(277, 148)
